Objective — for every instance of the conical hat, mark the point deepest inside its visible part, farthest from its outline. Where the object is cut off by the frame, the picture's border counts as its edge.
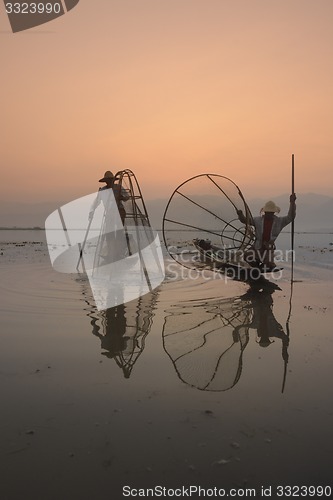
(108, 175)
(270, 206)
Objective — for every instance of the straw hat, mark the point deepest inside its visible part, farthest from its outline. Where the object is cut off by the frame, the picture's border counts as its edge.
(108, 175)
(270, 207)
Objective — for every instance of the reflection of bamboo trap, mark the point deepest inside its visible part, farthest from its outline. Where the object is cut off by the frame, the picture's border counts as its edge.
(207, 352)
(123, 329)
(139, 317)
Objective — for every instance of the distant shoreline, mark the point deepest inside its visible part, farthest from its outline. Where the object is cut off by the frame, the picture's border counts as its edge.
(15, 228)
(38, 228)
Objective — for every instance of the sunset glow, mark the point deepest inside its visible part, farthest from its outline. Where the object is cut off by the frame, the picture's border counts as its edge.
(169, 89)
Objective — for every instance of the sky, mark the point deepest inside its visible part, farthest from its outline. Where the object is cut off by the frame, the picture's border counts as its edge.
(168, 89)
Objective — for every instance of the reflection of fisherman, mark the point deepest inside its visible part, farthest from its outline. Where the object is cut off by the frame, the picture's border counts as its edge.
(112, 196)
(122, 330)
(264, 321)
(114, 340)
(267, 228)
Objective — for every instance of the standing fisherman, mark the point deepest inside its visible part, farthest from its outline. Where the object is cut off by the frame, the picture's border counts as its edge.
(112, 246)
(119, 192)
(267, 228)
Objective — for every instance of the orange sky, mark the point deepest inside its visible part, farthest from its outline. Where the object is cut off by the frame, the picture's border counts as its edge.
(170, 89)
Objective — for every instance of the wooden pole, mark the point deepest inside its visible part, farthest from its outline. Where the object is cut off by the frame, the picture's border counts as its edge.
(285, 350)
(293, 221)
(81, 247)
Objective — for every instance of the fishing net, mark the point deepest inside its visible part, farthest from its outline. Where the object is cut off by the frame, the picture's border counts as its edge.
(204, 208)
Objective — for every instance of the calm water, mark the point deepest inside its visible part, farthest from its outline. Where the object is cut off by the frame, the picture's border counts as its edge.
(183, 386)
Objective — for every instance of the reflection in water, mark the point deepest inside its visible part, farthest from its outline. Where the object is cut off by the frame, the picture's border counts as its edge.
(206, 340)
(264, 321)
(122, 330)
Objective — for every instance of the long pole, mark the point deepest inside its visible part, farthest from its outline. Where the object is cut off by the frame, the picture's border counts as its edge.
(285, 350)
(293, 221)
(83, 244)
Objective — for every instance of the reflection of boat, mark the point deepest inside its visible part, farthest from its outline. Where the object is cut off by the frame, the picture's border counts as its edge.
(205, 340)
(122, 330)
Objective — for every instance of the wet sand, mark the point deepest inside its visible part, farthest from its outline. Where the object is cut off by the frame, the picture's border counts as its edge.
(171, 390)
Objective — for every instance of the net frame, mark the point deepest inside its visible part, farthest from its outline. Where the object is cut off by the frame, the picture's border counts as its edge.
(242, 238)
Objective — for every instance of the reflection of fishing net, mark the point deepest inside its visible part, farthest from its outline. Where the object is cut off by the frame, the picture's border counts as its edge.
(205, 207)
(205, 342)
(137, 317)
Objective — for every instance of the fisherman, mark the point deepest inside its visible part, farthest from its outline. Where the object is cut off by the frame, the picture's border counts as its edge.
(120, 195)
(113, 244)
(267, 228)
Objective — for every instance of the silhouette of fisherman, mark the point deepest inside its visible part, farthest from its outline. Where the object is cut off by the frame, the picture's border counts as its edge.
(264, 321)
(114, 340)
(122, 331)
(112, 246)
(267, 228)
(120, 195)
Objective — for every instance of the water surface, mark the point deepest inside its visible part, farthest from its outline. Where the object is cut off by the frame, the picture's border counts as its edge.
(183, 386)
